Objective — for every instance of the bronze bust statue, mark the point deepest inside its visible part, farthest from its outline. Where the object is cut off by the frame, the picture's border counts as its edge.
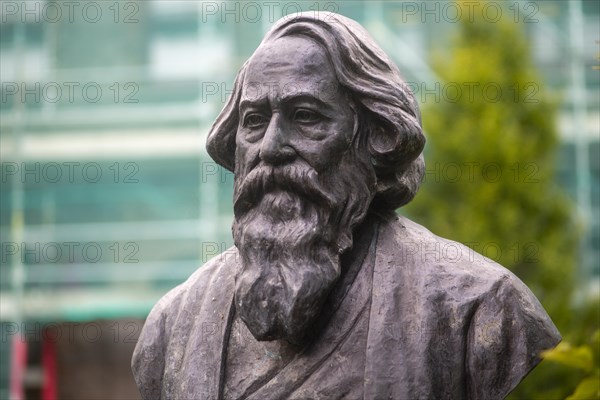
(328, 293)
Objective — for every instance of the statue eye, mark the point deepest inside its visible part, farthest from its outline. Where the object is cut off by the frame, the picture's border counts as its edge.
(306, 116)
(255, 120)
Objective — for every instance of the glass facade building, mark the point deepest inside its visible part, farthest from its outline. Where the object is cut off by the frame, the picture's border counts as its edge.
(108, 196)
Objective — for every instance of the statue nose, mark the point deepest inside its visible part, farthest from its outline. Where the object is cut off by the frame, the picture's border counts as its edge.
(275, 147)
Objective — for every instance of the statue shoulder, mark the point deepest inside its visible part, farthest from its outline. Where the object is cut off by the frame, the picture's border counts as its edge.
(506, 326)
(148, 361)
(177, 298)
(440, 263)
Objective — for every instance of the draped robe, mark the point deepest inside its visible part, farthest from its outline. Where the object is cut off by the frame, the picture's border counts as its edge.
(423, 317)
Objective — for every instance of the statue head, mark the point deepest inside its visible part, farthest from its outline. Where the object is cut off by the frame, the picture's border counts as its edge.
(320, 129)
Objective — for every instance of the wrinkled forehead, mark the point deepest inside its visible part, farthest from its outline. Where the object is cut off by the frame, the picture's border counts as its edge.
(287, 67)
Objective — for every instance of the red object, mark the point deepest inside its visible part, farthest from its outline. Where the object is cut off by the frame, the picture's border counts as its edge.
(49, 387)
(17, 367)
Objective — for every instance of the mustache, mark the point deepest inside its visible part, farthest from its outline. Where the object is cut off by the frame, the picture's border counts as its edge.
(298, 177)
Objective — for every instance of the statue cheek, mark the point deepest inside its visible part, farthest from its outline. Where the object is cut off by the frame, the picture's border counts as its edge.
(246, 155)
(325, 154)
(344, 132)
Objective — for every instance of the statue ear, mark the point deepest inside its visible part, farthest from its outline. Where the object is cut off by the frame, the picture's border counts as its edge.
(382, 143)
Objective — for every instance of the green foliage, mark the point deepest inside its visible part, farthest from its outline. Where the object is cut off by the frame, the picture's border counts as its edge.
(490, 174)
(575, 357)
(553, 379)
(585, 358)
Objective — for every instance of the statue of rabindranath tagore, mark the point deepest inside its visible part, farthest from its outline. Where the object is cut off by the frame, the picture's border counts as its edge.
(328, 293)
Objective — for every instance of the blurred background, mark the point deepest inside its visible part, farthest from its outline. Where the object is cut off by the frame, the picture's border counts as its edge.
(109, 199)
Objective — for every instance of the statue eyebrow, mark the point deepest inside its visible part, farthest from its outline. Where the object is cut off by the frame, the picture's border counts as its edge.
(297, 97)
(294, 97)
(252, 103)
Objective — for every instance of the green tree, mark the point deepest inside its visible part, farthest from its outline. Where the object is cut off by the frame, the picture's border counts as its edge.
(490, 171)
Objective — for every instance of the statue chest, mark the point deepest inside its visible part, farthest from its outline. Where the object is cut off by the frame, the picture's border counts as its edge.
(276, 369)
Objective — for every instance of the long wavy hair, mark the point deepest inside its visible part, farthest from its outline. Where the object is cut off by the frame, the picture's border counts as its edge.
(389, 117)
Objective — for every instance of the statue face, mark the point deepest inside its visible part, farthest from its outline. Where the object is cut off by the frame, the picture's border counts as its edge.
(292, 107)
(301, 186)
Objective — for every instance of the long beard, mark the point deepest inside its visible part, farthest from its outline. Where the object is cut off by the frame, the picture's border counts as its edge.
(291, 226)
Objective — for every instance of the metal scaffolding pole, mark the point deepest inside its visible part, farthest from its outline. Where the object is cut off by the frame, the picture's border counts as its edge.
(17, 216)
(579, 110)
